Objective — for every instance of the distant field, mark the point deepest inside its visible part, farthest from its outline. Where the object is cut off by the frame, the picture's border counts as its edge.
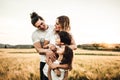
(23, 64)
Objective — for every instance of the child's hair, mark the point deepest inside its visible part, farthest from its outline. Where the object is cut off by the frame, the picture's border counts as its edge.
(67, 57)
(65, 37)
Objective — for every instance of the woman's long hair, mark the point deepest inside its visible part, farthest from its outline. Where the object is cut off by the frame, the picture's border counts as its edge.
(64, 21)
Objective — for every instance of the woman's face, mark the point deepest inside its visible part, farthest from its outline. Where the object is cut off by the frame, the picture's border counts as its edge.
(57, 26)
(40, 25)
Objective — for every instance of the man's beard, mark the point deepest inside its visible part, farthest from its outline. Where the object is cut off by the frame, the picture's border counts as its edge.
(42, 29)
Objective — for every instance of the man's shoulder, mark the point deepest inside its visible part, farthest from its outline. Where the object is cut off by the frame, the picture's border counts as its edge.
(35, 32)
(51, 27)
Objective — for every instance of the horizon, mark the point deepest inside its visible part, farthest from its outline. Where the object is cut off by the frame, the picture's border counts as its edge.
(91, 21)
(77, 44)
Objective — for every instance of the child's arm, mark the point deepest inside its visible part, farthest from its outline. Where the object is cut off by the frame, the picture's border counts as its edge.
(49, 74)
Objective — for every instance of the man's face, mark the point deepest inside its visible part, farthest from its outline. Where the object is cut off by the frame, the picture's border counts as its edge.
(40, 25)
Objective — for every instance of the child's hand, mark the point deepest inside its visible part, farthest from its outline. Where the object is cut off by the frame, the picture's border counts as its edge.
(53, 48)
(46, 46)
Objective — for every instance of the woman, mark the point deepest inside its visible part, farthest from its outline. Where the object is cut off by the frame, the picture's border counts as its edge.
(62, 24)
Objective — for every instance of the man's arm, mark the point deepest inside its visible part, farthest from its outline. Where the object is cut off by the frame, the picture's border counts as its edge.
(39, 49)
(42, 51)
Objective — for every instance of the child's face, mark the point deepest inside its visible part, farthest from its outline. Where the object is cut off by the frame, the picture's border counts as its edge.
(58, 42)
(61, 50)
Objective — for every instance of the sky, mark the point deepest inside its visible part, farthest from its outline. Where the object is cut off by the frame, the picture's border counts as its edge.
(92, 21)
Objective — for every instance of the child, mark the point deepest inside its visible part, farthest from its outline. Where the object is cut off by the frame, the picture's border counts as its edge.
(64, 55)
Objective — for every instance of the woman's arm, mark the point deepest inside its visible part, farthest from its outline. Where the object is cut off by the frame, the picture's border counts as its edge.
(53, 66)
(73, 45)
(63, 66)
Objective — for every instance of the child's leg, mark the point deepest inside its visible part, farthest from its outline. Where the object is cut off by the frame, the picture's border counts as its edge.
(49, 74)
(66, 75)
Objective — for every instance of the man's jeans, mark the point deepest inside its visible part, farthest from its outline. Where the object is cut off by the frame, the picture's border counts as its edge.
(42, 76)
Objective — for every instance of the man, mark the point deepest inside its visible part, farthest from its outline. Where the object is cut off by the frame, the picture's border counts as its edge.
(38, 37)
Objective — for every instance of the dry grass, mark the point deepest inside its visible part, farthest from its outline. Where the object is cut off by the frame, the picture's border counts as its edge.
(23, 64)
(15, 64)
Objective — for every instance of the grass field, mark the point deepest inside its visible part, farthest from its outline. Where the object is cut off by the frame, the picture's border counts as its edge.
(23, 64)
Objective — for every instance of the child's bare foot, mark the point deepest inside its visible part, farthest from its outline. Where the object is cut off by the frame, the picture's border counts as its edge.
(58, 72)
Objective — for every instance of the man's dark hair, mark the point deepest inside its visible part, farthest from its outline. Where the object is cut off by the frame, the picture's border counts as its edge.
(34, 18)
